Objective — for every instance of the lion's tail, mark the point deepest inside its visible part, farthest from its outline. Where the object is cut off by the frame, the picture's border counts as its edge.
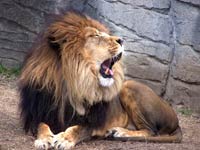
(175, 137)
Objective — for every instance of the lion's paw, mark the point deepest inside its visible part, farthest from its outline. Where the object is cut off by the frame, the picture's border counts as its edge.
(43, 144)
(117, 132)
(62, 143)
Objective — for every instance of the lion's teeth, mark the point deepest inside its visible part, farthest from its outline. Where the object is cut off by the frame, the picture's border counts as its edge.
(107, 71)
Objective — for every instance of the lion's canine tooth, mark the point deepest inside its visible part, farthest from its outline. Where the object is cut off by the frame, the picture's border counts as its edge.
(107, 71)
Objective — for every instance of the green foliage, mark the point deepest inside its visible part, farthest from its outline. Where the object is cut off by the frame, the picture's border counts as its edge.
(185, 111)
(9, 72)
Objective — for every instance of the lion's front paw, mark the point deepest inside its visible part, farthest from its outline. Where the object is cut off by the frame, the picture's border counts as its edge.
(63, 145)
(117, 132)
(61, 142)
(43, 144)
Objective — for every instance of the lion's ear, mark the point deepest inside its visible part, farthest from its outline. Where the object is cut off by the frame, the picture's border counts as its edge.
(54, 42)
(55, 45)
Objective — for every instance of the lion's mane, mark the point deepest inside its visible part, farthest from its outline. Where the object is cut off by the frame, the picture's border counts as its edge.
(56, 80)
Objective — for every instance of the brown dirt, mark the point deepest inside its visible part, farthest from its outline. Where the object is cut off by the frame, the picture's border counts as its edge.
(12, 136)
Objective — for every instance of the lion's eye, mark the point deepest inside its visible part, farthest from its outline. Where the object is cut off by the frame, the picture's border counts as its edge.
(94, 35)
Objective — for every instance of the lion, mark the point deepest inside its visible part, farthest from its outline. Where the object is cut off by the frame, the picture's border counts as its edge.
(72, 88)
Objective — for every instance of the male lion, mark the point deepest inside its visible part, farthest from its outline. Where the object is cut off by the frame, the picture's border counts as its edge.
(72, 88)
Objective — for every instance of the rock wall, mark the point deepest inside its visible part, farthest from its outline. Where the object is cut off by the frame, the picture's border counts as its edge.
(162, 38)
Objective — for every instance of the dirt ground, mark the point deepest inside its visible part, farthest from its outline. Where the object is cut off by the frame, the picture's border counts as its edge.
(12, 136)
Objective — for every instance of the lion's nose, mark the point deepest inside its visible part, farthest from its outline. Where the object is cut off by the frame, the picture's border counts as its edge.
(120, 41)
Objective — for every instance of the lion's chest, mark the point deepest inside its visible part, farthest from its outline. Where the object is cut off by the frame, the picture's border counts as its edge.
(95, 116)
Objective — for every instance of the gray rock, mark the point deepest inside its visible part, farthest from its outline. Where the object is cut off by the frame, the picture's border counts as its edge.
(145, 23)
(186, 65)
(160, 4)
(10, 54)
(183, 93)
(143, 67)
(187, 24)
(136, 44)
(158, 51)
(11, 63)
(46, 6)
(20, 23)
(78, 5)
(27, 20)
(194, 2)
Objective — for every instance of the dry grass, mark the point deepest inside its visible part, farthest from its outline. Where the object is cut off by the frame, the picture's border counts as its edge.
(12, 136)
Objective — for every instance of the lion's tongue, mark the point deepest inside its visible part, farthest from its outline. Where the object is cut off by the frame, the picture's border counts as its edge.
(107, 70)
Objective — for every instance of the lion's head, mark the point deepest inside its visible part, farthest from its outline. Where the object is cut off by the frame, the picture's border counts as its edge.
(77, 59)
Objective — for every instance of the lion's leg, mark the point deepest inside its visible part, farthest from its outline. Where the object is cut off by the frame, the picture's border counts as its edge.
(115, 117)
(71, 136)
(136, 118)
(118, 132)
(44, 139)
(148, 114)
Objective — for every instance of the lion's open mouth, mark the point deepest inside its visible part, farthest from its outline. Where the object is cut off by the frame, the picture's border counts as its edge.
(106, 67)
